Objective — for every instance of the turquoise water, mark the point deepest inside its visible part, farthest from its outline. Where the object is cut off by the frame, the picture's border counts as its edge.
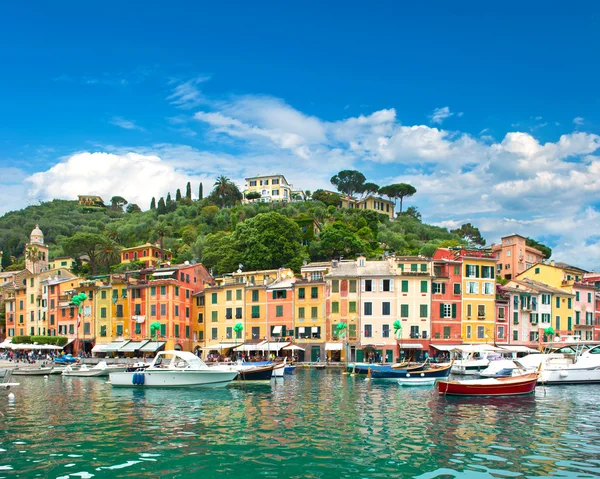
(315, 424)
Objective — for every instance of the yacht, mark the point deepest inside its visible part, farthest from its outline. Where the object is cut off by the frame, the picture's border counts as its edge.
(471, 359)
(175, 369)
(576, 363)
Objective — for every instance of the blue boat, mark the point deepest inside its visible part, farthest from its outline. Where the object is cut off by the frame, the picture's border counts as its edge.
(289, 369)
(65, 359)
(442, 372)
(363, 368)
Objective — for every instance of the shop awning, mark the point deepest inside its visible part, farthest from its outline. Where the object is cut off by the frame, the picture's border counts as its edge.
(139, 319)
(6, 343)
(473, 348)
(99, 348)
(293, 347)
(152, 346)
(114, 346)
(272, 346)
(69, 342)
(133, 346)
(411, 346)
(246, 348)
(333, 346)
(163, 273)
(219, 347)
(445, 347)
(276, 330)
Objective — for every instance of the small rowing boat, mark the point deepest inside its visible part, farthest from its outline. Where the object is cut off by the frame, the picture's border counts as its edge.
(510, 386)
(417, 381)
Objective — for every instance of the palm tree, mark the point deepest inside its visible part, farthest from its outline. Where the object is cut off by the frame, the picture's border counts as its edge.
(161, 230)
(109, 252)
(223, 187)
(34, 256)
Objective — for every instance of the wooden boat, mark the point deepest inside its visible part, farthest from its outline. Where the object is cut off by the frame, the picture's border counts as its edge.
(32, 371)
(363, 368)
(417, 381)
(289, 369)
(512, 386)
(279, 369)
(441, 372)
(255, 373)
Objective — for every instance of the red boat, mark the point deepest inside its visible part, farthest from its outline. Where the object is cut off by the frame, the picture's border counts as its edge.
(511, 386)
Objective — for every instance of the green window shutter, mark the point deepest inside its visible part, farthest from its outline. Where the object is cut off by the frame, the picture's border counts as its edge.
(405, 286)
(577, 318)
(215, 316)
(274, 295)
(284, 294)
(558, 323)
(283, 331)
(279, 311)
(423, 267)
(569, 323)
(314, 312)
(335, 307)
(414, 267)
(423, 286)
(228, 295)
(301, 293)
(441, 310)
(255, 311)
(443, 288)
(163, 330)
(352, 307)
(456, 288)
(187, 332)
(454, 310)
(570, 303)
(423, 311)
(404, 310)
(254, 295)
(477, 271)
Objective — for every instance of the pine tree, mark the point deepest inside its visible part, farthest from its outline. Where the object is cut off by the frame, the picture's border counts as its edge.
(178, 195)
(169, 198)
(188, 191)
(153, 203)
(162, 208)
(200, 192)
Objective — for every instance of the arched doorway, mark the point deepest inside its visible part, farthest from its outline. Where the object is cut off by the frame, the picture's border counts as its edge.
(177, 347)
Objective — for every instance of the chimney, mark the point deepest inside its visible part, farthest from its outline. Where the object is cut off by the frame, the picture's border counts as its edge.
(334, 263)
(552, 262)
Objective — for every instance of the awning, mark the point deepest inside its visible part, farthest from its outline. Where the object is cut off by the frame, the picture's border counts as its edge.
(163, 273)
(518, 349)
(246, 348)
(114, 346)
(301, 330)
(293, 347)
(445, 347)
(133, 346)
(315, 329)
(69, 342)
(276, 330)
(272, 346)
(219, 346)
(6, 343)
(411, 346)
(99, 348)
(333, 346)
(139, 319)
(473, 348)
(152, 346)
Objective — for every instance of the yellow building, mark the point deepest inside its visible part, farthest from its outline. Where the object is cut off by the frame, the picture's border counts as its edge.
(103, 314)
(224, 307)
(310, 312)
(149, 254)
(119, 311)
(90, 201)
(199, 323)
(478, 297)
(272, 189)
(63, 262)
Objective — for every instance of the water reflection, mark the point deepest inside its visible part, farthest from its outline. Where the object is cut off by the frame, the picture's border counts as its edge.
(312, 424)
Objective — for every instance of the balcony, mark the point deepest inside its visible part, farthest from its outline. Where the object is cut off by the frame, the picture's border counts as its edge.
(501, 319)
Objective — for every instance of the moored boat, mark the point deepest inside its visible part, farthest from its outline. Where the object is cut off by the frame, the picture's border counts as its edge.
(289, 369)
(440, 372)
(578, 363)
(511, 386)
(41, 371)
(175, 369)
(363, 368)
(255, 373)
(417, 381)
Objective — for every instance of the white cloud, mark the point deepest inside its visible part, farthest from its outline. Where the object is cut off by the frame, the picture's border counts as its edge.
(578, 120)
(126, 124)
(186, 94)
(440, 114)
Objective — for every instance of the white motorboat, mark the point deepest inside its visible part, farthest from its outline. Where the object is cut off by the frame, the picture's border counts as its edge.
(473, 358)
(417, 381)
(41, 371)
(175, 369)
(577, 363)
(100, 369)
(279, 369)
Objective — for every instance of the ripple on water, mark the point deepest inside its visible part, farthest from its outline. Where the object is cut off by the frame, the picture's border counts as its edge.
(314, 424)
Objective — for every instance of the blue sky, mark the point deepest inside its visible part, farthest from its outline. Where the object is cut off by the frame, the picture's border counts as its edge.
(492, 112)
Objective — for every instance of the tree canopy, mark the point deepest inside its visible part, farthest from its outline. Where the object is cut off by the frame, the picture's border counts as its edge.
(348, 182)
(546, 250)
(470, 233)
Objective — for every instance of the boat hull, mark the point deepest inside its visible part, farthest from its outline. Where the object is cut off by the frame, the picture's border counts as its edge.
(489, 387)
(279, 370)
(363, 368)
(260, 373)
(90, 373)
(570, 376)
(289, 369)
(417, 381)
(408, 374)
(32, 372)
(173, 379)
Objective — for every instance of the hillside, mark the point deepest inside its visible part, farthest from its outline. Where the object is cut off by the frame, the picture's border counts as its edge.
(221, 237)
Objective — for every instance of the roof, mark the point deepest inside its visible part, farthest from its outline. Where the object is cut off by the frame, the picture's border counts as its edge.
(351, 268)
(267, 176)
(145, 245)
(411, 258)
(542, 287)
(283, 284)
(562, 265)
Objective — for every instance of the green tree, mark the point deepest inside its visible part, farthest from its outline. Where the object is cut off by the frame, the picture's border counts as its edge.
(109, 253)
(470, 234)
(34, 256)
(225, 192)
(188, 191)
(414, 212)
(370, 189)
(117, 203)
(253, 195)
(85, 244)
(153, 203)
(330, 199)
(349, 182)
(178, 195)
(133, 208)
(161, 209)
(336, 240)
(200, 192)
(546, 250)
(161, 230)
(398, 191)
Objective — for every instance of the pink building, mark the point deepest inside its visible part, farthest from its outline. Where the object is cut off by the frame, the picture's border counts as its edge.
(513, 256)
(584, 310)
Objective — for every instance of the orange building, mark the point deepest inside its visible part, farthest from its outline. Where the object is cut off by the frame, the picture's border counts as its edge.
(149, 254)
(513, 256)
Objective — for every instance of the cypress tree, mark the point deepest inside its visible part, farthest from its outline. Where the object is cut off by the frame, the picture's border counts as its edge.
(188, 191)
(162, 208)
(178, 195)
(200, 192)
(153, 203)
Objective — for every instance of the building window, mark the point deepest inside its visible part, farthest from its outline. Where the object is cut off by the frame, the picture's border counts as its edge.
(405, 286)
(335, 307)
(352, 307)
(228, 295)
(481, 310)
(501, 313)
(472, 287)
(153, 310)
(200, 318)
(423, 286)
(368, 309)
(256, 312)
(387, 285)
(301, 313)
(214, 298)
(238, 294)
(385, 308)
(352, 286)
(438, 287)
(314, 312)
(238, 313)
(480, 332)
(423, 311)
(368, 284)
(254, 295)
(228, 313)
(314, 292)
(279, 311)
(368, 331)
(214, 333)
(404, 310)
(301, 293)
(214, 316)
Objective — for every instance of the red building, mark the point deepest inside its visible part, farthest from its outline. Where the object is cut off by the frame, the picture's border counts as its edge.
(166, 296)
(446, 300)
